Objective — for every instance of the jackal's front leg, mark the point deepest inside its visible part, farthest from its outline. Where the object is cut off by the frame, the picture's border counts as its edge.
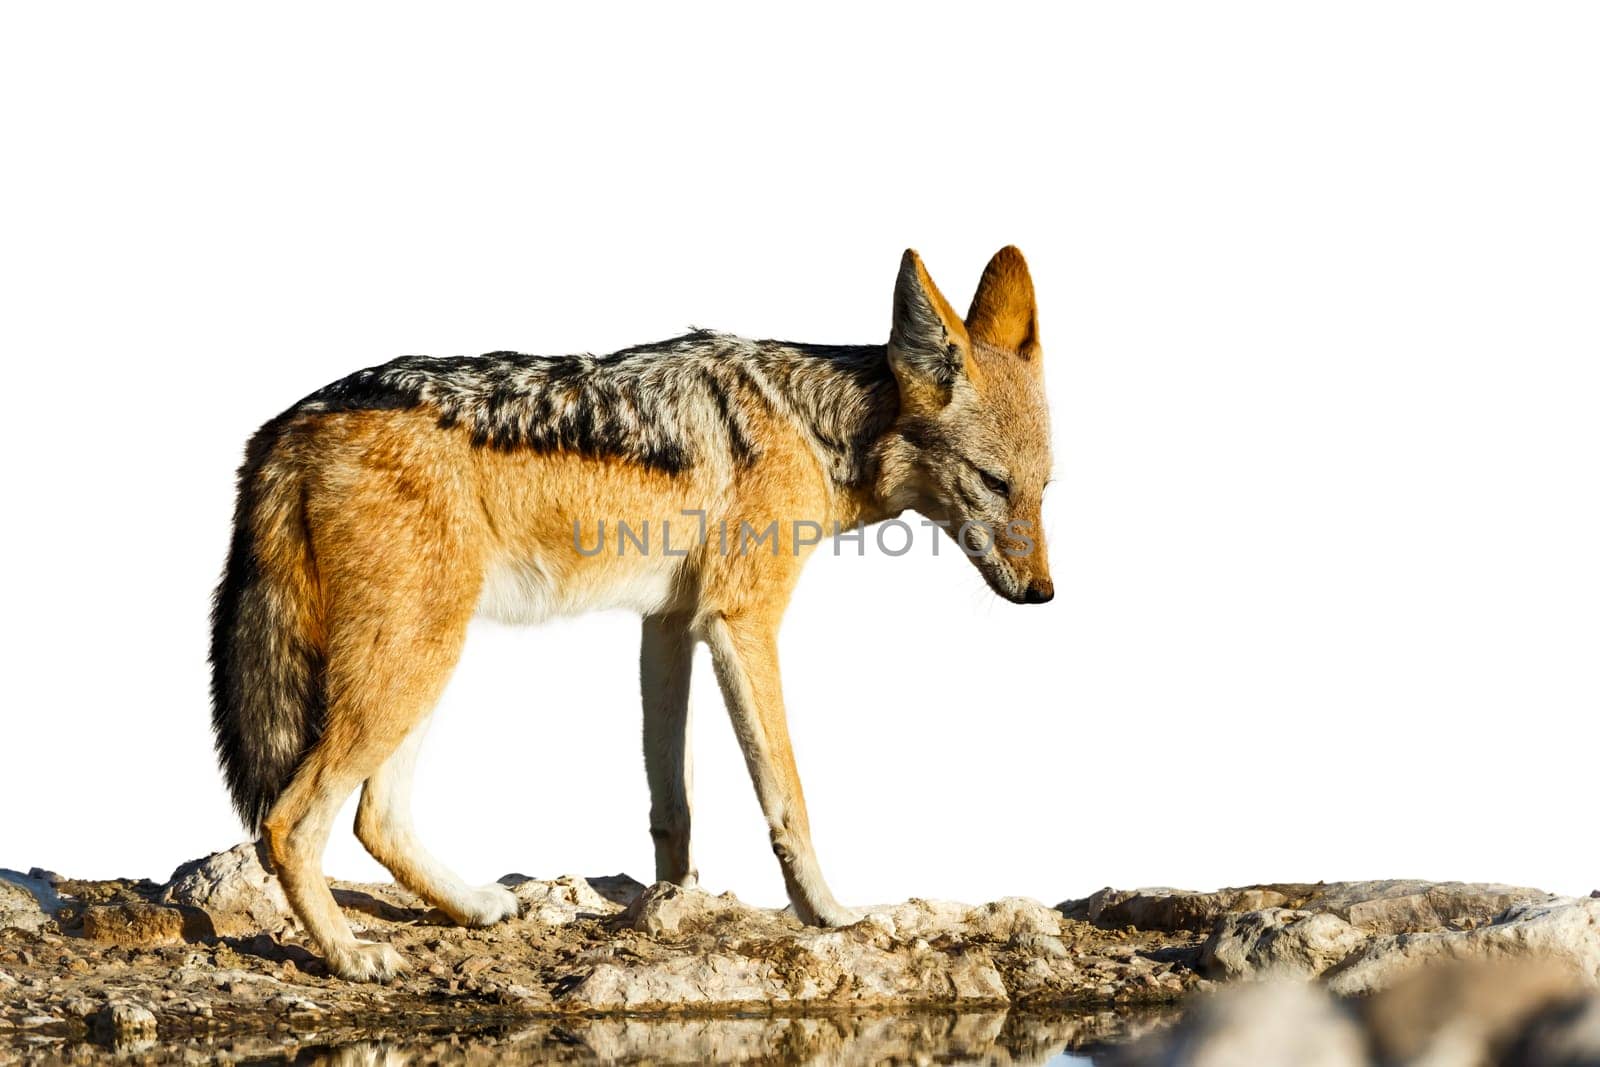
(745, 652)
(666, 655)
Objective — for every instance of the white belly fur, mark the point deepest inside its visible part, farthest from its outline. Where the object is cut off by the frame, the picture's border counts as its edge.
(524, 591)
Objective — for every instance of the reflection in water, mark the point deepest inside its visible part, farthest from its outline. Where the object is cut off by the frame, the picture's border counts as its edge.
(993, 1038)
(990, 1038)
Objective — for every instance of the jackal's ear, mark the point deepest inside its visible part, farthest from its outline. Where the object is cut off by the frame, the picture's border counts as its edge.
(1003, 311)
(928, 346)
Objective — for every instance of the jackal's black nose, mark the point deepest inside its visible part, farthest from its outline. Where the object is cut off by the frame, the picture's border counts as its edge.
(1040, 591)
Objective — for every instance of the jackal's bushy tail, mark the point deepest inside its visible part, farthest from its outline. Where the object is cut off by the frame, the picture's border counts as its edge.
(267, 698)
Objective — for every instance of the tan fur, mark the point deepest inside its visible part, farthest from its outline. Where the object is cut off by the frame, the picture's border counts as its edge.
(1003, 313)
(406, 529)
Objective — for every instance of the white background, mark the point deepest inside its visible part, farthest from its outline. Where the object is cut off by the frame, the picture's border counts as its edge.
(1318, 295)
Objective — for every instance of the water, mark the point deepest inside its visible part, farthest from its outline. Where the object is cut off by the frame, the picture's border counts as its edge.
(978, 1038)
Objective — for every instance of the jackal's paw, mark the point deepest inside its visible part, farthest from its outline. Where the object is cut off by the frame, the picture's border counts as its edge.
(364, 962)
(488, 905)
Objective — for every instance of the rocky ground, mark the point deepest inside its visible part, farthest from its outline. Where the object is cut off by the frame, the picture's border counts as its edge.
(606, 969)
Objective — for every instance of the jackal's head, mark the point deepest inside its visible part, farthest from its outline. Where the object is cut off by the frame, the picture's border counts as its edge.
(971, 447)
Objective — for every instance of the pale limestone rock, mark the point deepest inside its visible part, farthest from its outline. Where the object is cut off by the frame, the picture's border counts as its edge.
(1566, 930)
(234, 888)
(1007, 921)
(916, 917)
(1278, 943)
(123, 1021)
(823, 969)
(80, 1007)
(559, 902)
(1408, 906)
(1344, 934)
(1170, 909)
(667, 910)
(1356, 959)
(753, 956)
(1390, 906)
(26, 902)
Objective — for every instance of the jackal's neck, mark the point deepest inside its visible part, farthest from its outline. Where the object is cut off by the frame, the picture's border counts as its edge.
(846, 401)
(850, 408)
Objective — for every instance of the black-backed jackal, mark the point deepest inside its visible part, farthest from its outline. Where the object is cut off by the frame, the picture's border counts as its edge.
(378, 515)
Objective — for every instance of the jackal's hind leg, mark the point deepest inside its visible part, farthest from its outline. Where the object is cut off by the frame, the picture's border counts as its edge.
(296, 831)
(399, 629)
(666, 655)
(383, 823)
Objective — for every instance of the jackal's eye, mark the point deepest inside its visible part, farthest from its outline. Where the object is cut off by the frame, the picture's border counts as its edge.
(995, 484)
